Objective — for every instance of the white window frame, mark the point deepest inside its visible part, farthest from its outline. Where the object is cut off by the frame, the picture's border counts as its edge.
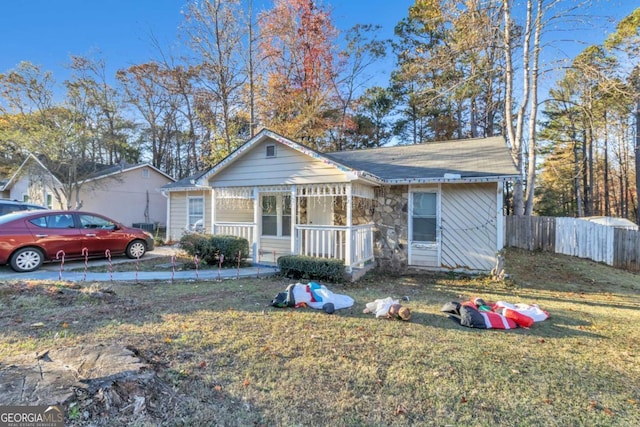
(438, 217)
(190, 215)
(145, 173)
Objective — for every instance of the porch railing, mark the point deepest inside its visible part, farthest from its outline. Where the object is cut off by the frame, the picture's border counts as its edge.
(361, 244)
(329, 241)
(324, 241)
(239, 229)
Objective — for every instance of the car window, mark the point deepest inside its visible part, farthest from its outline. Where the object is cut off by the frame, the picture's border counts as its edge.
(92, 221)
(54, 221)
(6, 208)
(63, 221)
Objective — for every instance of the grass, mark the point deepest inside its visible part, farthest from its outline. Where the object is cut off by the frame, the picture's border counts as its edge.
(225, 357)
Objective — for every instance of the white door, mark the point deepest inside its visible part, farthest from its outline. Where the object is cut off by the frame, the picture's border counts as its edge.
(424, 229)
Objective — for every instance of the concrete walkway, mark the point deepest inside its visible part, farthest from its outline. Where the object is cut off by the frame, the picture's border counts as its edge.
(73, 271)
(132, 276)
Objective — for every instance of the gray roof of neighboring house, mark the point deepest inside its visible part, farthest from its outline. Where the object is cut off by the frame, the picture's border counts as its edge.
(481, 157)
(102, 170)
(184, 183)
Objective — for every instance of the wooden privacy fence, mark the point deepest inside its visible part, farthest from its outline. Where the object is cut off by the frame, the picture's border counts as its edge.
(617, 247)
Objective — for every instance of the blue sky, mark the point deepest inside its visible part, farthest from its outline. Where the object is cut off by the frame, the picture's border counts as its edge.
(46, 32)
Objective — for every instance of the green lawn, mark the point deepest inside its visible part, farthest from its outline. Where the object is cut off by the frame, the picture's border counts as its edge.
(223, 356)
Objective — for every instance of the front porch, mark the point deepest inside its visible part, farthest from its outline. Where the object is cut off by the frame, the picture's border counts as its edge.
(328, 221)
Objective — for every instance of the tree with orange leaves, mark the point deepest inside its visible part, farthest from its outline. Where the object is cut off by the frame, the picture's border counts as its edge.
(298, 47)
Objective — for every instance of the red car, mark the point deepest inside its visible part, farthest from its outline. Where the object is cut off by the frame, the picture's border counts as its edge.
(29, 238)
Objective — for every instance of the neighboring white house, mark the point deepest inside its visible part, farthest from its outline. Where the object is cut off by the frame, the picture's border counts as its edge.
(436, 205)
(32, 182)
(127, 193)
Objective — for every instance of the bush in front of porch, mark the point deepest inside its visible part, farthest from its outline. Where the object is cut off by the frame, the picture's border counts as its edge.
(306, 267)
(210, 248)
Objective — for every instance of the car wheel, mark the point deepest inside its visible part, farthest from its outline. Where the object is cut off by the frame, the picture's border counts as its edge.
(27, 259)
(136, 249)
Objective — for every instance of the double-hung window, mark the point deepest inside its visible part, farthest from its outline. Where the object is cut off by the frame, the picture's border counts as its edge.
(424, 217)
(195, 213)
(276, 215)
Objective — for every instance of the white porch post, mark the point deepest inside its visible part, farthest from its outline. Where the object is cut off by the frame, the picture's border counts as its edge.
(257, 211)
(213, 211)
(294, 220)
(348, 238)
(169, 230)
(500, 217)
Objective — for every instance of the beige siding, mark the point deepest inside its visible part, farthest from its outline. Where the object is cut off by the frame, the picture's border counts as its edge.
(241, 213)
(282, 246)
(178, 212)
(288, 167)
(177, 215)
(123, 197)
(469, 219)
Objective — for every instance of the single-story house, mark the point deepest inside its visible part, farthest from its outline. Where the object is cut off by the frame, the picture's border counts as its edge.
(437, 206)
(128, 193)
(32, 182)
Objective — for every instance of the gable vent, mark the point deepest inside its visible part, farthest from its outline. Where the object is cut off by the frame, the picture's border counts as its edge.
(270, 150)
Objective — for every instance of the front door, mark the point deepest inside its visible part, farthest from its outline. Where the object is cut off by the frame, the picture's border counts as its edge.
(424, 229)
(275, 225)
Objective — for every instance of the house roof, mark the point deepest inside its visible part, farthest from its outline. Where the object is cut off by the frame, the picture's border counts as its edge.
(124, 167)
(434, 161)
(479, 159)
(188, 183)
(16, 174)
(102, 172)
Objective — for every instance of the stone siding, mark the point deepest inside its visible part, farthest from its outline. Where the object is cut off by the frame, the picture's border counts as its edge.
(391, 228)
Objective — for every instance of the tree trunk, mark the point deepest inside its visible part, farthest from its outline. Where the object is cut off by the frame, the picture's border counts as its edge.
(637, 152)
(531, 169)
(607, 203)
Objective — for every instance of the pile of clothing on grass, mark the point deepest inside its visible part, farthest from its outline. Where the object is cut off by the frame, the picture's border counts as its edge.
(500, 315)
(388, 308)
(312, 295)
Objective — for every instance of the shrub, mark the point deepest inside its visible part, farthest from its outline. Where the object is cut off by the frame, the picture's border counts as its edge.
(197, 244)
(305, 267)
(209, 248)
(231, 247)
